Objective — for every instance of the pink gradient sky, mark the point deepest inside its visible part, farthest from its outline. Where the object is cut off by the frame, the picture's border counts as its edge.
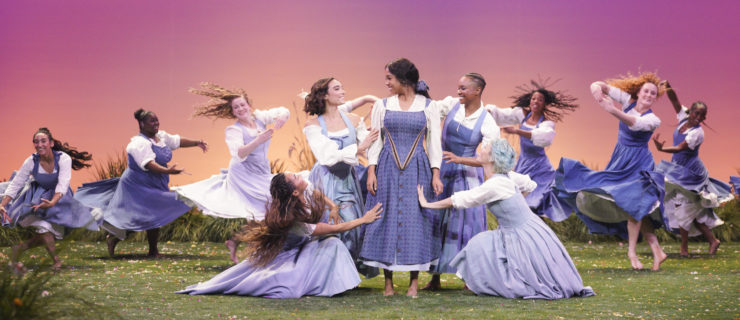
(82, 67)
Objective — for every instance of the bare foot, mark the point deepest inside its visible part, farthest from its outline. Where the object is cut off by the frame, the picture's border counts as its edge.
(433, 285)
(658, 260)
(413, 292)
(111, 241)
(636, 264)
(714, 246)
(231, 245)
(388, 292)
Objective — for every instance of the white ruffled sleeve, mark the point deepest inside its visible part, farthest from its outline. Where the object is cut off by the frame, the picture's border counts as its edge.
(234, 141)
(272, 115)
(620, 96)
(434, 135)
(376, 121)
(543, 135)
(446, 104)
(361, 131)
(489, 130)
(695, 137)
(522, 181)
(648, 122)
(140, 149)
(172, 141)
(65, 174)
(21, 176)
(327, 151)
(506, 116)
(493, 189)
(683, 114)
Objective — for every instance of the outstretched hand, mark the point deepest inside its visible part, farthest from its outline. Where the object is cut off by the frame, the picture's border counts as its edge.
(6, 218)
(658, 144)
(510, 130)
(422, 199)
(266, 135)
(203, 145)
(173, 169)
(373, 214)
(334, 217)
(45, 204)
(369, 139)
(608, 104)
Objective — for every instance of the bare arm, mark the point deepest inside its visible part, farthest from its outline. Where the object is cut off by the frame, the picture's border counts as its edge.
(370, 216)
(156, 168)
(675, 149)
(672, 96)
(187, 143)
(519, 132)
(468, 161)
(248, 148)
(441, 204)
(358, 102)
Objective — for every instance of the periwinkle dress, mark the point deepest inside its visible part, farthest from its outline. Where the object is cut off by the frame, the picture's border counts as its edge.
(335, 176)
(139, 200)
(457, 226)
(402, 239)
(690, 192)
(68, 212)
(523, 258)
(735, 182)
(307, 266)
(628, 186)
(533, 161)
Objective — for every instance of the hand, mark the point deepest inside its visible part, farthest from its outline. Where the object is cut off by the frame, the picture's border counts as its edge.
(6, 218)
(372, 182)
(658, 144)
(451, 157)
(608, 105)
(422, 199)
(279, 123)
(510, 130)
(597, 92)
(45, 204)
(665, 85)
(264, 136)
(373, 214)
(334, 217)
(371, 137)
(174, 170)
(437, 185)
(202, 145)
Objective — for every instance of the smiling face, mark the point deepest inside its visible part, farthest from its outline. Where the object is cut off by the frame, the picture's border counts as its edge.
(537, 102)
(335, 93)
(240, 108)
(697, 114)
(392, 83)
(468, 90)
(648, 94)
(149, 126)
(42, 144)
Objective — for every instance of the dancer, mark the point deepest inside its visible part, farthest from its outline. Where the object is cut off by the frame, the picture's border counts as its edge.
(690, 192)
(523, 258)
(536, 110)
(242, 191)
(333, 137)
(140, 199)
(287, 260)
(402, 240)
(735, 182)
(628, 188)
(46, 203)
(466, 125)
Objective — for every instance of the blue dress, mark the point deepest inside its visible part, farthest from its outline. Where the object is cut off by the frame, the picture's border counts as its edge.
(340, 183)
(735, 182)
(534, 162)
(307, 266)
(690, 192)
(139, 200)
(523, 258)
(457, 226)
(628, 186)
(403, 235)
(68, 212)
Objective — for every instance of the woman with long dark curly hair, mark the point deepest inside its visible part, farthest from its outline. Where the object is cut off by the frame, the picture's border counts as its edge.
(287, 259)
(336, 139)
(46, 203)
(535, 111)
(628, 193)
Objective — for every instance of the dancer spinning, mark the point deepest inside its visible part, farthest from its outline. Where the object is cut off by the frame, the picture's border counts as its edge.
(286, 259)
(140, 199)
(523, 258)
(690, 192)
(46, 203)
(628, 188)
(466, 125)
(536, 110)
(333, 137)
(402, 240)
(242, 191)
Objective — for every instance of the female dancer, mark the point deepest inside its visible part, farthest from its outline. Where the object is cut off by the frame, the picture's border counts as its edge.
(286, 259)
(466, 125)
(523, 258)
(536, 131)
(403, 239)
(46, 204)
(628, 188)
(333, 137)
(690, 192)
(140, 199)
(243, 190)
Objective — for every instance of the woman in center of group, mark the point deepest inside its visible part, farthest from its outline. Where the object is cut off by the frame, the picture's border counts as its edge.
(403, 239)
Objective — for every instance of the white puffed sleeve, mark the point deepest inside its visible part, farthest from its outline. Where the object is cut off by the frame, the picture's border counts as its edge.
(434, 135)
(327, 151)
(376, 121)
(694, 137)
(647, 122)
(446, 104)
(506, 116)
(620, 96)
(172, 141)
(493, 189)
(65, 174)
(272, 115)
(303, 229)
(489, 130)
(21, 176)
(683, 114)
(543, 135)
(140, 149)
(234, 141)
(361, 131)
(522, 181)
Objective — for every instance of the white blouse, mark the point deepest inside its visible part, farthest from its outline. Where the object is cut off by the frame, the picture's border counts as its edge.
(303, 229)
(140, 147)
(542, 136)
(489, 130)
(235, 137)
(65, 175)
(433, 134)
(648, 122)
(496, 188)
(694, 136)
(327, 151)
